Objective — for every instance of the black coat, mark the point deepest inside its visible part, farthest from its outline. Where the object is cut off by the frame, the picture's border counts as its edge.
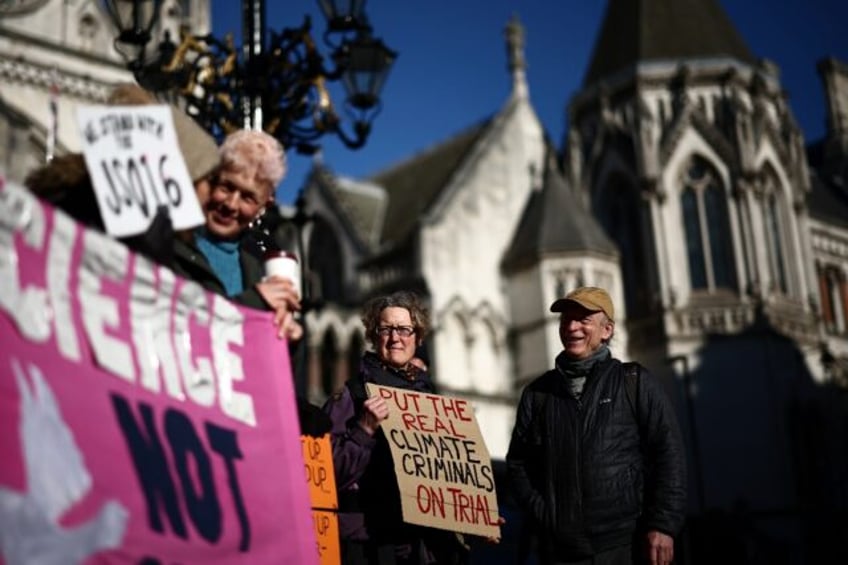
(190, 263)
(587, 472)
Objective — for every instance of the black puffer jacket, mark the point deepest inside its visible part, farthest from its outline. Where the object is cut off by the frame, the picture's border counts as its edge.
(578, 466)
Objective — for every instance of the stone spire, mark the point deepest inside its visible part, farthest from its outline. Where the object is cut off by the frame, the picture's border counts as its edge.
(637, 31)
(514, 33)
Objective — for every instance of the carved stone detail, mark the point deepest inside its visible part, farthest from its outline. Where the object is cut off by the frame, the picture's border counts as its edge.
(70, 84)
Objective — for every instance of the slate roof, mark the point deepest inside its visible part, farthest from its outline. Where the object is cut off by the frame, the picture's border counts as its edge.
(363, 204)
(413, 185)
(636, 31)
(554, 221)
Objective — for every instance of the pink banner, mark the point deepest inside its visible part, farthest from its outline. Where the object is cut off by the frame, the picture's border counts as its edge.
(142, 419)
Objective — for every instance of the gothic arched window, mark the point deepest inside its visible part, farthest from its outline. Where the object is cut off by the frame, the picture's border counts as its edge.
(88, 29)
(834, 298)
(185, 9)
(709, 249)
(773, 222)
(354, 353)
(721, 245)
(836, 288)
(694, 242)
(329, 359)
(326, 268)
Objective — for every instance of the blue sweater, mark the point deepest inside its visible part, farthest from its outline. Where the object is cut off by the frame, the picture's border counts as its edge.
(223, 257)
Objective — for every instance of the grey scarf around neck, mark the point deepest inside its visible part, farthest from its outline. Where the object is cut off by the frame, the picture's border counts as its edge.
(577, 370)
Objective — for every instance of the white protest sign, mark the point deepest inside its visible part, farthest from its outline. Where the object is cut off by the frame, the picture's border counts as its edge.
(135, 165)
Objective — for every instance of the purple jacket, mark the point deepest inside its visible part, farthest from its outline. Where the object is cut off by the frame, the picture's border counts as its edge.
(369, 501)
(369, 498)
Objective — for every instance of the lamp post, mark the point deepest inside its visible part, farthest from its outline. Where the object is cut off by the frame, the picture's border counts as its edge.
(277, 81)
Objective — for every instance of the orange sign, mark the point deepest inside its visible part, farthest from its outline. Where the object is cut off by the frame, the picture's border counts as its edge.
(327, 536)
(321, 481)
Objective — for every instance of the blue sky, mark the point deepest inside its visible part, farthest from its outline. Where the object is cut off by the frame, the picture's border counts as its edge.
(451, 70)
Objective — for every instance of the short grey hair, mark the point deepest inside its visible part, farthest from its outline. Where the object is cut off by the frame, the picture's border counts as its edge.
(418, 313)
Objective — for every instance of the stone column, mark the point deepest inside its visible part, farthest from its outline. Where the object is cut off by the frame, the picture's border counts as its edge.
(313, 382)
(341, 371)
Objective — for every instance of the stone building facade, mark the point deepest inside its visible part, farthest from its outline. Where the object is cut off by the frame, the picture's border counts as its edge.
(56, 55)
(683, 185)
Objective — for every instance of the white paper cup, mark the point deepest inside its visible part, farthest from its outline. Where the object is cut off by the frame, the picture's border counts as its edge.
(283, 264)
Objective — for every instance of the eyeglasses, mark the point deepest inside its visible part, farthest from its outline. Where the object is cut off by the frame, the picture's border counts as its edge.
(402, 331)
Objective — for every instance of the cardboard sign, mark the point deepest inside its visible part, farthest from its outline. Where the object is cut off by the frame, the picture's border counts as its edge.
(442, 465)
(327, 536)
(135, 166)
(142, 419)
(321, 480)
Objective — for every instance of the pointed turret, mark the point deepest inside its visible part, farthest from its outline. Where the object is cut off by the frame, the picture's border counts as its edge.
(637, 31)
(514, 33)
(555, 222)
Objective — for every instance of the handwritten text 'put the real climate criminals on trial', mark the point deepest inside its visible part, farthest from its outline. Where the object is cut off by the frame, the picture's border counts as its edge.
(440, 458)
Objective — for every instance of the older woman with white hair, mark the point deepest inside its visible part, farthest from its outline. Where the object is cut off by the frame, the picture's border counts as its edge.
(252, 164)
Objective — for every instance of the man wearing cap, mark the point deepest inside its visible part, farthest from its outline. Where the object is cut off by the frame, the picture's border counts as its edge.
(596, 457)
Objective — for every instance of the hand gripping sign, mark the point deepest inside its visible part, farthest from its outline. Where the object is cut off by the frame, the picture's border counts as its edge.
(136, 166)
(442, 465)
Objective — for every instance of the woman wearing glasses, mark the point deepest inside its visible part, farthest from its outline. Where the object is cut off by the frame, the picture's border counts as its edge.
(370, 521)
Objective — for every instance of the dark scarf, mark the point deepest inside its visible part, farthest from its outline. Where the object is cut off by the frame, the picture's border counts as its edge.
(576, 371)
(373, 370)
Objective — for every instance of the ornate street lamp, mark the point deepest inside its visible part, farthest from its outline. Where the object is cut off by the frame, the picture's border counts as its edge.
(279, 85)
(276, 83)
(134, 21)
(343, 15)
